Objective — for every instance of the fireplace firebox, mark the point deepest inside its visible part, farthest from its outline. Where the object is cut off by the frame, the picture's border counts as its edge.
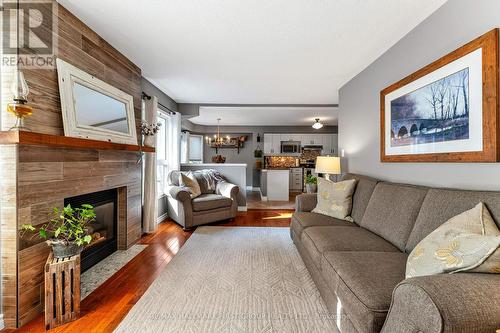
(103, 230)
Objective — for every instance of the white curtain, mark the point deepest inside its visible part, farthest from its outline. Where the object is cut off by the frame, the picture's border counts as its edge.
(150, 208)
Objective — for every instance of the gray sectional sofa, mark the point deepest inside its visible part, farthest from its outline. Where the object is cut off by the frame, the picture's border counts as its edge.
(359, 267)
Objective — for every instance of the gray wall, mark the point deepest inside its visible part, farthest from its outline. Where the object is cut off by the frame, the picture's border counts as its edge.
(246, 154)
(165, 100)
(456, 23)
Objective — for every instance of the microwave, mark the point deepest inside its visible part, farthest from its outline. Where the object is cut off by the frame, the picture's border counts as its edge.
(290, 147)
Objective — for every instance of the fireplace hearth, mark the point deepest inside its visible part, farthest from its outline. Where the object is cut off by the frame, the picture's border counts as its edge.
(103, 230)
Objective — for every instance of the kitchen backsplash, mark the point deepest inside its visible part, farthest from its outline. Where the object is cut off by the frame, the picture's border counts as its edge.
(280, 161)
(309, 154)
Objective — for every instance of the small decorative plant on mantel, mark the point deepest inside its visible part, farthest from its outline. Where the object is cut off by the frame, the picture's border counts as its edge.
(311, 184)
(66, 232)
(149, 132)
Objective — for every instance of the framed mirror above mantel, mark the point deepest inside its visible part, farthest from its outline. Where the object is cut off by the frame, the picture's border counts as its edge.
(94, 109)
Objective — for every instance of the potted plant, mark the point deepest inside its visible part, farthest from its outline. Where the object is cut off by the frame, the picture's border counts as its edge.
(66, 232)
(311, 184)
(257, 153)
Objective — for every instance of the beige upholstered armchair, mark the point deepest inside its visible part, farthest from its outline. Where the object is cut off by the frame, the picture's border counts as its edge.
(217, 201)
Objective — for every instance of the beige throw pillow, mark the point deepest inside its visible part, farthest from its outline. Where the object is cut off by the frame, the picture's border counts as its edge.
(467, 242)
(335, 199)
(188, 180)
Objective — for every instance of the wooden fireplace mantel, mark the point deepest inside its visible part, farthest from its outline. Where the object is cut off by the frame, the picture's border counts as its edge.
(32, 138)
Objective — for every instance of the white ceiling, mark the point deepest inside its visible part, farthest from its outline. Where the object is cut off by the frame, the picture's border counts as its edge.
(266, 116)
(240, 51)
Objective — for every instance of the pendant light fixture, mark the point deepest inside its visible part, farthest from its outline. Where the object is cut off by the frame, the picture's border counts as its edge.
(317, 124)
(218, 141)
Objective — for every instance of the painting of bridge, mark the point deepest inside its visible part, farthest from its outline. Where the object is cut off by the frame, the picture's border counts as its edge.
(437, 112)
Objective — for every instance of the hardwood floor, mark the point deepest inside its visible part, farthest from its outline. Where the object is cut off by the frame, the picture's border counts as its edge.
(104, 308)
(254, 202)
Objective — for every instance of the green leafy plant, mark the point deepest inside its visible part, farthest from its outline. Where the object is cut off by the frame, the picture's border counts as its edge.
(310, 179)
(68, 224)
(258, 153)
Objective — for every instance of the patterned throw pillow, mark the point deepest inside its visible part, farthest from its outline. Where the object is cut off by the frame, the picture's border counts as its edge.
(335, 199)
(467, 242)
(188, 180)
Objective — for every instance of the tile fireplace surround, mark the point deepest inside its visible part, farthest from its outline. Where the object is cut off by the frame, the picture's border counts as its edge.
(45, 177)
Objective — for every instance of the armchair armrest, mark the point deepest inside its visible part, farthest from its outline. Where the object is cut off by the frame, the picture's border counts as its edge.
(227, 189)
(462, 302)
(306, 202)
(179, 193)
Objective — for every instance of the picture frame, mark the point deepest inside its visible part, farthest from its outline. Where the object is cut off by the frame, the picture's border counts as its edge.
(447, 111)
(94, 109)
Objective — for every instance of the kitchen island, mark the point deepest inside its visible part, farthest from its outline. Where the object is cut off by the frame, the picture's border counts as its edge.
(275, 184)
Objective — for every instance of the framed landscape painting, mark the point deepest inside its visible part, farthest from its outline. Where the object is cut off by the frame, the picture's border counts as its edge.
(447, 111)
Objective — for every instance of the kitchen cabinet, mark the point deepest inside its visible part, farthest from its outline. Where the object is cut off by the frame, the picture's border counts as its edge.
(272, 142)
(268, 142)
(295, 181)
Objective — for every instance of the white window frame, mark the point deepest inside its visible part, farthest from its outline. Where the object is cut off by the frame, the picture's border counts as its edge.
(202, 142)
(162, 163)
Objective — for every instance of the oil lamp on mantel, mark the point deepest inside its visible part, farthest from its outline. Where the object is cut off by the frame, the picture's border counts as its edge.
(20, 107)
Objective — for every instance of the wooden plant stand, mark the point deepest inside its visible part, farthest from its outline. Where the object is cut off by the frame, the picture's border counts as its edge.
(62, 290)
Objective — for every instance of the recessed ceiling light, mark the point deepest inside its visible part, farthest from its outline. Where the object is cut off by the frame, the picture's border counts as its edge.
(317, 124)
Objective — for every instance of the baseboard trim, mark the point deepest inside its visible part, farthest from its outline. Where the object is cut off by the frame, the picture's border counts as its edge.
(242, 208)
(161, 218)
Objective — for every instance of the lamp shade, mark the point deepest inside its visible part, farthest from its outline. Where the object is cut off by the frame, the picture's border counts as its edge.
(328, 164)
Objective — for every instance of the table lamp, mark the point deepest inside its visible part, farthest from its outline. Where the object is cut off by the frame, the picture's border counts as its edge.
(328, 165)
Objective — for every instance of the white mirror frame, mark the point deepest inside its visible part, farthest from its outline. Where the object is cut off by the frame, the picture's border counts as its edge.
(69, 75)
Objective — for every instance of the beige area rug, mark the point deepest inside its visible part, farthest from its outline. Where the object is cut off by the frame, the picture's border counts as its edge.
(103, 270)
(232, 279)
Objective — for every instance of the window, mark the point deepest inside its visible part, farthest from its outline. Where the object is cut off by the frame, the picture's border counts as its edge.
(167, 148)
(195, 151)
(161, 153)
(191, 148)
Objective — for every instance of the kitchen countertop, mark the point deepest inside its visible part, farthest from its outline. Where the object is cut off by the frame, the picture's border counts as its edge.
(283, 168)
(215, 164)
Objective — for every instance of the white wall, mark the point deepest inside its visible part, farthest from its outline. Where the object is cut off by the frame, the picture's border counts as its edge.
(453, 25)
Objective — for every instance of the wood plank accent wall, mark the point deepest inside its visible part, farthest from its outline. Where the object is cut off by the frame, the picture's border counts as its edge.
(85, 49)
(8, 235)
(36, 178)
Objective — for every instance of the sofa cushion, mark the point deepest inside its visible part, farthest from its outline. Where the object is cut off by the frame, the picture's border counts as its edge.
(302, 220)
(363, 282)
(189, 181)
(392, 211)
(335, 199)
(362, 195)
(317, 240)
(440, 205)
(468, 241)
(210, 201)
(173, 178)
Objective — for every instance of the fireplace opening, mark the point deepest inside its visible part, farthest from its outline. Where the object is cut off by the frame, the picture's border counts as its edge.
(103, 230)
